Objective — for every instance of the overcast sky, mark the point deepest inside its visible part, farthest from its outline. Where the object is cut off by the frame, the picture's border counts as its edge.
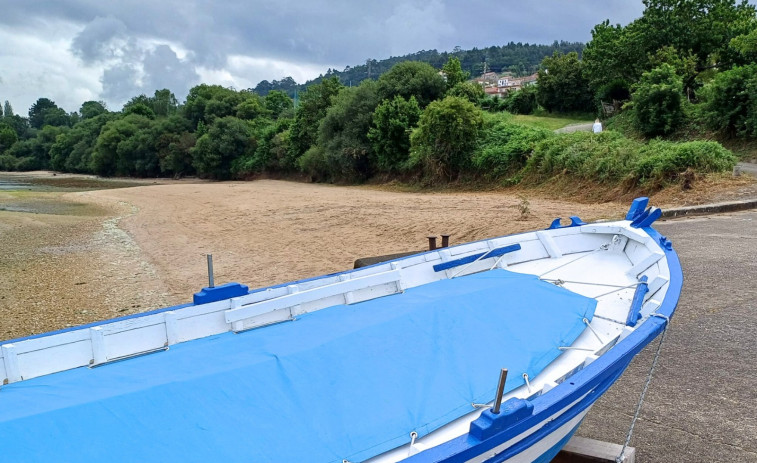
(72, 51)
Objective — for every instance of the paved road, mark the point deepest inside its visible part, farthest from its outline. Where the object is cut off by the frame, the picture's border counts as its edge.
(748, 168)
(576, 128)
(702, 403)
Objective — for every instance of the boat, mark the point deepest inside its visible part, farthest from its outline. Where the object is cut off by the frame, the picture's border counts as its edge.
(493, 350)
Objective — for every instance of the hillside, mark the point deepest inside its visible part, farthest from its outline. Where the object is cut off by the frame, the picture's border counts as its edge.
(518, 58)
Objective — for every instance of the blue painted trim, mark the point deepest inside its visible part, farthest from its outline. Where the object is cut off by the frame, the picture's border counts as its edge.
(637, 207)
(489, 423)
(647, 218)
(575, 221)
(219, 293)
(634, 314)
(550, 454)
(467, 260)
(591, 382)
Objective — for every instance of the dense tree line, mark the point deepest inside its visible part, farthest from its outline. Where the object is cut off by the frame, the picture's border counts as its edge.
(336, 133)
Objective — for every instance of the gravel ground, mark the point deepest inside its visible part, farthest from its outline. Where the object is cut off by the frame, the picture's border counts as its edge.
(73, 258)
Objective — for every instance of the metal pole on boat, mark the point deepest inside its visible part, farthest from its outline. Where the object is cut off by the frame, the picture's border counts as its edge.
(445, 241)
(211, 284)
(500, 391)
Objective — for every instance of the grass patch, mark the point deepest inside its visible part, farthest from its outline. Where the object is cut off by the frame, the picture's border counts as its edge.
(553, 121)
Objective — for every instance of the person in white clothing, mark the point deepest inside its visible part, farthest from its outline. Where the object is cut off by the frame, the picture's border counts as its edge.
(597, 127)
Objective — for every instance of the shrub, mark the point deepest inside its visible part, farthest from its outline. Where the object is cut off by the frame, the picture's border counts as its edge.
(657, 101)
(28, 163)
(661, 162)
(471, 91)
(609, 157)
(522, 101)
(446, 137)
(603, 157)
(504, 147)
(7, 162)
(729, 102)
(314, 164)
(615, 90)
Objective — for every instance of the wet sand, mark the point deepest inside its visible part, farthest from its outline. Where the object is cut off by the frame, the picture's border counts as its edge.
(121, 251)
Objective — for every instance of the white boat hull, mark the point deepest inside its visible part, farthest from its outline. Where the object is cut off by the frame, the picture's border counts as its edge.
(627, 267)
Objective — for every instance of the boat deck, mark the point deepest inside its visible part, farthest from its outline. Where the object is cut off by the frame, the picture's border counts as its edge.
(346, 382)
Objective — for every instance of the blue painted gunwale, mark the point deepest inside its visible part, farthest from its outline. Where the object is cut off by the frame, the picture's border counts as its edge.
(588, 384)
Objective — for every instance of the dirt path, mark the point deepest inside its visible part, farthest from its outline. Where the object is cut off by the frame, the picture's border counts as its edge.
(587, 127)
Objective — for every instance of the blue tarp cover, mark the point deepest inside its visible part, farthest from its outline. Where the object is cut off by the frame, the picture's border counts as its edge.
(347, 382)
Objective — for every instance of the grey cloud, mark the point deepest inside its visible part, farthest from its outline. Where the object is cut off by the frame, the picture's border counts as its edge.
(419, 26)
(120, 82)
(335, 32)
(131, 67)
(97, 40)
(163, 69)
(156, 69)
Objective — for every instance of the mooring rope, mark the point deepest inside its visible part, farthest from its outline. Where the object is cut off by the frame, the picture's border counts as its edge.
(466, 267)
(622, 455)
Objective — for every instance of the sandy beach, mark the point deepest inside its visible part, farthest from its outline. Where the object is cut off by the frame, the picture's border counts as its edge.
(118, 251)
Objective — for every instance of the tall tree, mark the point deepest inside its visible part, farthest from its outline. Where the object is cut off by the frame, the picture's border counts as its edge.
(561, 84)
(393, 121)
(72, 151)
(343, 133)
(312, 109)
(412, 78)
(205, 103)
(700, 30)
(703, 27)
(7, 109)
(612, 55)
(164, 103)
(278, 103)
(45, 112)
(7, 137)
(227, 139)
(123, 148)
(453, 72)
(90, 109)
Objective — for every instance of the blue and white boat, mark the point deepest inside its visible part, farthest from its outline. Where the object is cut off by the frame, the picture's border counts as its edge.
(396, 362)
